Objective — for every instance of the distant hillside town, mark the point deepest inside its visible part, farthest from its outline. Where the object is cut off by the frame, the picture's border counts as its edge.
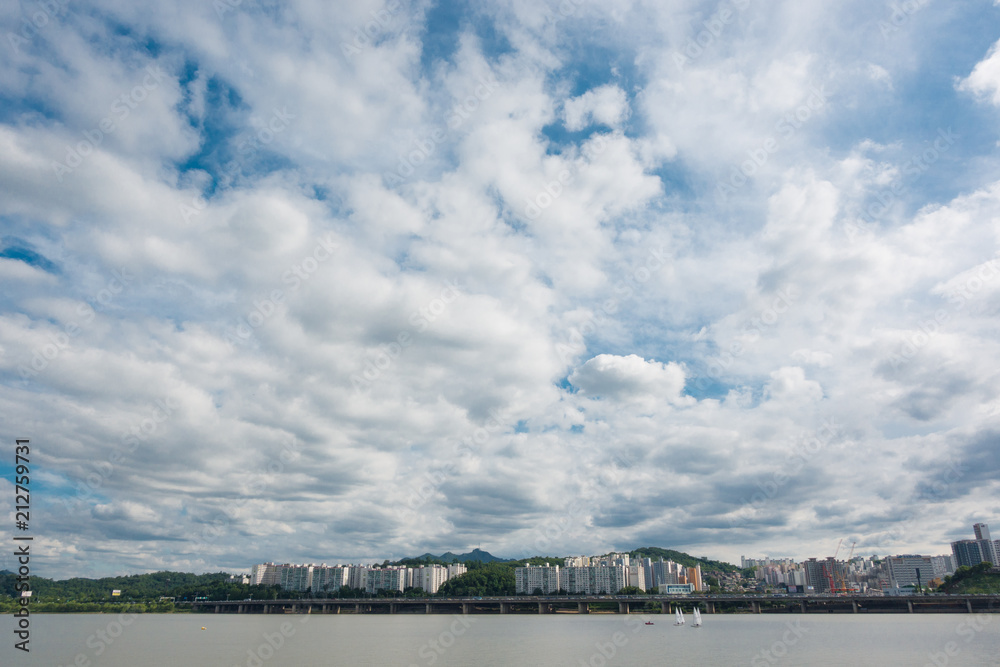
(893, 575)
(637, 572)
(324, 578)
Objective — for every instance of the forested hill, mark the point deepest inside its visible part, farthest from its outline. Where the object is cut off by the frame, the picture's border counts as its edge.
(138, 587)
(655, 553)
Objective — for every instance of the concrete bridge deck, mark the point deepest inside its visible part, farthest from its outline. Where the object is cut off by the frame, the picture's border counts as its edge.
(611, 604)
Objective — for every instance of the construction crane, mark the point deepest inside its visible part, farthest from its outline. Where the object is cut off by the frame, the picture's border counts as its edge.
(842, 589)
(832, 562)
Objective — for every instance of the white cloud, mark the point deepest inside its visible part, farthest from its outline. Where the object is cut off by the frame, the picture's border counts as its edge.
(984, 81)
(631, 376)
(605, 105)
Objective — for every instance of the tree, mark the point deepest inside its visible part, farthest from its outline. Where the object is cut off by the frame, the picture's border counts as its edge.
(488, 579)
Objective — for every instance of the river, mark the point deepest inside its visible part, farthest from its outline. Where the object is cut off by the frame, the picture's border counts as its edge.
(595, 640)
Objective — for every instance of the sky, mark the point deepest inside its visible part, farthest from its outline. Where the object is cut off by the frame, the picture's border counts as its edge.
(335, 282)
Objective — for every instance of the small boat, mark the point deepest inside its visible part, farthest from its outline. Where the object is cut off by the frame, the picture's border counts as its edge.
(697, 618)
(649, 622)
(679, 617)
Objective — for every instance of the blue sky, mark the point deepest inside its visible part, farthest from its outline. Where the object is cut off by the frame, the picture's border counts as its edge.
(342, 282)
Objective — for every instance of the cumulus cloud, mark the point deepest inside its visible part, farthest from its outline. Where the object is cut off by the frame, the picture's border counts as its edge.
(984, 81)
(605, 105)
(631, 376)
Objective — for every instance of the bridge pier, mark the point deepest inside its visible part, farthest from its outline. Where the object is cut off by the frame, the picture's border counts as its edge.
(756, 606)
(504, 607)
(428, 608)
(623, 607)
(664, 607)
(543, 608)
(392, 607)
(711, 607)
(466, 606)
(582, 608)
(802, 606)
(968, 604)
(854, 605)
(909, 606)
(357, 608)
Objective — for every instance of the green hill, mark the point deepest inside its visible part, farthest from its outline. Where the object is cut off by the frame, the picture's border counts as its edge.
(982, 578)
(475, 556)
(152, 586)
(707, 565)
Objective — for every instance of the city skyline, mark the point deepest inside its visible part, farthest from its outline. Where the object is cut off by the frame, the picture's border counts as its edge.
(371, 279)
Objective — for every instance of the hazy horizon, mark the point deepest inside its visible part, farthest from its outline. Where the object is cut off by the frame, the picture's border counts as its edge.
(367, 280)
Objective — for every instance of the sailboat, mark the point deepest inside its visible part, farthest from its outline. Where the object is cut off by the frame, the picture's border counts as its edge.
(679, 617)
(697, 618)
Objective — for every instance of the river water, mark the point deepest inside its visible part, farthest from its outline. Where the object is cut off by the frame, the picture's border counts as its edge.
(595, 640)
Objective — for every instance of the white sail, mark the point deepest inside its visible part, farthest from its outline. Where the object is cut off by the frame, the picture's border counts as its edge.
(697, 618)
(680, 617)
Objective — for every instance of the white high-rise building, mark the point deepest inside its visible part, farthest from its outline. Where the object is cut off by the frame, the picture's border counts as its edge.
(357, 576)
(536, 577)
(296, 577)
(594, 579)
(637, 575)
(430, 577)
(386, 579)
(328, 579)
(264, 574)
(903, 570)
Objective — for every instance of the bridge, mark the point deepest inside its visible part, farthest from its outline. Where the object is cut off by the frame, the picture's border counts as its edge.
(664, 604)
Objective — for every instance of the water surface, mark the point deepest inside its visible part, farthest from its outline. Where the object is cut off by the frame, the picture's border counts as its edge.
(152, 640)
